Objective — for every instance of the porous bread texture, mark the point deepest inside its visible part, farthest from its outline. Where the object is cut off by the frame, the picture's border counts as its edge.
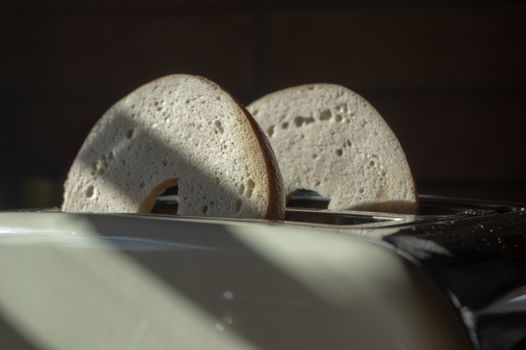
(182, 130)
(331, 140)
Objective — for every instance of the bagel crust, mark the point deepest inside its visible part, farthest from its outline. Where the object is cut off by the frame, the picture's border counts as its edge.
(177, 130)
(331, 140)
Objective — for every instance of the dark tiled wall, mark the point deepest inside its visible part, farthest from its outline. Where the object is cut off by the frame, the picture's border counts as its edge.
(449, 77)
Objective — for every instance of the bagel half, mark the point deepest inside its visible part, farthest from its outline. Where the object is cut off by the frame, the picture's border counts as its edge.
(331, 140)
(178, 130)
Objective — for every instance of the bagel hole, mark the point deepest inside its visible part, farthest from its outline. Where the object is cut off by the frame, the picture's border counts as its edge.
(167, 202)
(305, 198)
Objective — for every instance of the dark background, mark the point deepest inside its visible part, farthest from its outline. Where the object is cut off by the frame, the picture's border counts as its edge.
(448, 76)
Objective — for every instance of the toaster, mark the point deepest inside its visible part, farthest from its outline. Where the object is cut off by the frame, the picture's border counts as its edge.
(451, 277)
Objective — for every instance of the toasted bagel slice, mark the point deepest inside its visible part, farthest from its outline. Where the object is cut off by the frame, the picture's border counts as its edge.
(331, 140)
(177, 130)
